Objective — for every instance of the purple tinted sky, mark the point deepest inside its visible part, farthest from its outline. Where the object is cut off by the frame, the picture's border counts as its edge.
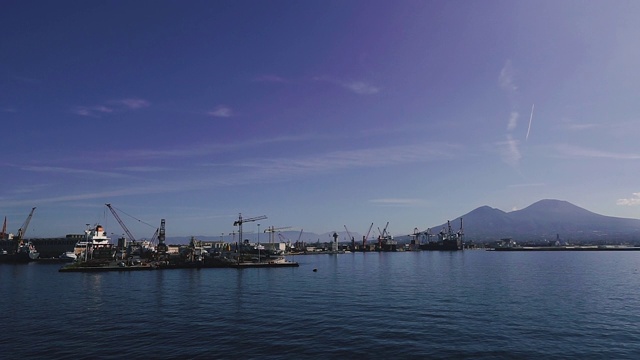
(315, 113)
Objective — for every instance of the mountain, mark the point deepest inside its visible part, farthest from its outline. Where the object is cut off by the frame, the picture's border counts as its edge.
(544, 220)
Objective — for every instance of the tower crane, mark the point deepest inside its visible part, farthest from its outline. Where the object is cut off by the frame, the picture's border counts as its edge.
(239, 223)
(271, 230)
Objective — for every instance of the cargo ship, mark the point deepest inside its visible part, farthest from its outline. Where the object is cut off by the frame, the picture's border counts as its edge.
(15, 249)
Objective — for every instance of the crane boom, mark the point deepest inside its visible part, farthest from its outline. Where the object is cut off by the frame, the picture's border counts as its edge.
(364, 238)
(348, 233)
(124, 227)
(23, 228)
(4, 229)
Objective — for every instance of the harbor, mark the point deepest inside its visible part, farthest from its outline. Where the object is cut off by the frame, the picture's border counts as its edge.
(95, 251)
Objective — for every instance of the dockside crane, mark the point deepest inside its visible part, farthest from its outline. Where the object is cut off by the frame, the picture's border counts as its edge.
(3, 234)
(384, 236)
(23, 228)
(364, 238)
(124, 227)
(162, 246)
(298, 245)
(353, 240)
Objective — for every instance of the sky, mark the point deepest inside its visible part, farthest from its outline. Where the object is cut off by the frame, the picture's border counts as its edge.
(315, 114)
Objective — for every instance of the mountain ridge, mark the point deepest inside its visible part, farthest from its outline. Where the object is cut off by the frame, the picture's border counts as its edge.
(543, 220)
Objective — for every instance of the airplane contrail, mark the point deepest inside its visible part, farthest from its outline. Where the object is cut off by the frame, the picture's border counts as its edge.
(530, 119)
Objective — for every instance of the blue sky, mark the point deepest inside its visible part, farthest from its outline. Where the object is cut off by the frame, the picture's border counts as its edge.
(317, 114)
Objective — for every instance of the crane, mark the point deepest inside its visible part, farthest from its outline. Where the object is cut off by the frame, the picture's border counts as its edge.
(384, 236)
(23, 228)
(353, 240)
(162, 247)
(364, 238)
(271, 230)
(297, 244)
(124, 227)
(239, 223)
(4, 229)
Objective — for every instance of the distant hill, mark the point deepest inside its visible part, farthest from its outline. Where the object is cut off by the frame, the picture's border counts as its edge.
(542, 220)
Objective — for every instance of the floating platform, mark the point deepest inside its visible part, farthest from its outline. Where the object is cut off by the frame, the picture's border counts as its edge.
(81, 268)
(160, 266)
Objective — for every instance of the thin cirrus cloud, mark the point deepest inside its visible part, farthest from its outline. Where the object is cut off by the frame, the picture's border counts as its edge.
(269, 170)
(271, 78)
(355, 86)
(132, 103)
(71, 171)
(581, 152)
(111, 107)
(93, 111)
(361, 158)
(362, 88)
(396, 202)
(221, 111)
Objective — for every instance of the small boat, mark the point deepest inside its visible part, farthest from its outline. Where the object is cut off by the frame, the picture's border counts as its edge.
(68, 256)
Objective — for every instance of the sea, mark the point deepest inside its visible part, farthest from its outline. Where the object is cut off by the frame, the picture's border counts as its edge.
(470, 304)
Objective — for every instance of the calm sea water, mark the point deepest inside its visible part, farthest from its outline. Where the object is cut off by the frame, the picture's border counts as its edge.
(471, 304)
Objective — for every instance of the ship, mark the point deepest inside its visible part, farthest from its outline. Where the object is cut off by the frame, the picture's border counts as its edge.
(15, 249)
(54, 247)
(447, 239)
(96, 247)
(23, 253)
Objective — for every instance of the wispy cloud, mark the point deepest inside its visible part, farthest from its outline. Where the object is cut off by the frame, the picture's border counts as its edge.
(9, 110)
(71, 171)
(221, 111)
(361, 158)
(509, 151)
(111, 107)
(513, 121)
(506, 77)
(132, 103)
(92, 111)
(360, 87)
(526, 185)
(581, 152)
(397, 202)
(145, 169)
(197, 150)
(355, 86)
(271, 78)
(256, 171)
(634, 200)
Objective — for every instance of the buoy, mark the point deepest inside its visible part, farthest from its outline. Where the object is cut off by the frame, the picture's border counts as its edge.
(315, 270)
